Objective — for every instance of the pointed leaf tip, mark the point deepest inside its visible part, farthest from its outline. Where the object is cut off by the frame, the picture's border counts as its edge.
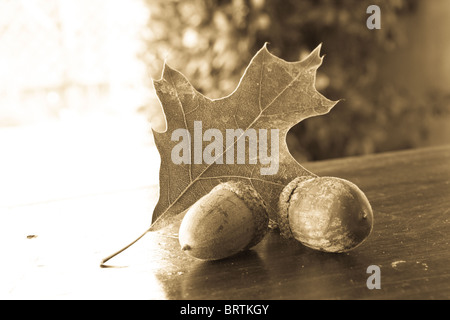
(165, 71)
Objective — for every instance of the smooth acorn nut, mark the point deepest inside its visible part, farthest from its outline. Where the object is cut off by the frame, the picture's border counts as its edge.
(325, 213)
(231, 218)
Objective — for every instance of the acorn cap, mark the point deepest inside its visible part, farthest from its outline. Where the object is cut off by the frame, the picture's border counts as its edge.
(254, 202)
(283, 205)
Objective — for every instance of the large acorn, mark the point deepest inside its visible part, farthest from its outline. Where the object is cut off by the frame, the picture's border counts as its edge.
(231, 218)
(325, 213)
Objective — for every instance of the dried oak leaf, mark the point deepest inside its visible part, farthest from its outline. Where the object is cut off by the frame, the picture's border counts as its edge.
(272, 94)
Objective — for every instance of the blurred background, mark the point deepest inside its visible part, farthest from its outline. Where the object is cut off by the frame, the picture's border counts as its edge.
(395, 81)
(76, 91)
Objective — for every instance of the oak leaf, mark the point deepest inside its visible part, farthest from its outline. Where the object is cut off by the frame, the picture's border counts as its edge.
(272, 94)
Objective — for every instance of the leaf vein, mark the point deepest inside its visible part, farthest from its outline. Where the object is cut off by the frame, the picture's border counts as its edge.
(260, 82)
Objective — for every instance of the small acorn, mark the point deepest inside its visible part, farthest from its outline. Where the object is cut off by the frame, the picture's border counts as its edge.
(325, 213)
(231, 218)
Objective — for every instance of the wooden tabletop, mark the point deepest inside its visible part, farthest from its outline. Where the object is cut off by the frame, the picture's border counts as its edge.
(57, 254)
(410, 195)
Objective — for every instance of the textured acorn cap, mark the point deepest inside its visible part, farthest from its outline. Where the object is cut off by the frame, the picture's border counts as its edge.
(283, 205)
(254, 202)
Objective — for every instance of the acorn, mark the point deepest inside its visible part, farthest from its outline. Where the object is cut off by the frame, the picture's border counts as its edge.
(231, 218)
(325, 213)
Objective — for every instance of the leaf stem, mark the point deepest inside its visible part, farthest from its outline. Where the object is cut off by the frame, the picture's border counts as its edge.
(102, 263)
